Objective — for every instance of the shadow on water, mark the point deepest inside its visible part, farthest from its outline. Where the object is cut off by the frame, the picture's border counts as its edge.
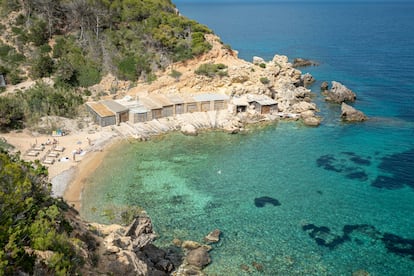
(262, 201)
(398, 171)
(393, 243)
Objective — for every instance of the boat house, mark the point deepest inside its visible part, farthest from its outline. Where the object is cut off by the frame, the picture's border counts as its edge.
(154, 108)
(178, 103)
(101, 114)
(263, 104)
(208, 102)
(120, 111)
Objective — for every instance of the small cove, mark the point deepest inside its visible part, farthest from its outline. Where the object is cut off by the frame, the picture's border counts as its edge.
(345, 190)
(192, 185)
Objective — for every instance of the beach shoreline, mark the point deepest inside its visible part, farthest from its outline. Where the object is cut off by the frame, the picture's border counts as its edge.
(78, 177)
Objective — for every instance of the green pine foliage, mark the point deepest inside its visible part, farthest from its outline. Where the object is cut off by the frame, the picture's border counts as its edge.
(31, 221)
(19, 109)
(90, 38)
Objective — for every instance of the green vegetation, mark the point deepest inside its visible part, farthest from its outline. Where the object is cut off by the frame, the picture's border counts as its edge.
(41, 100)
(77, 42)
(32, 222)
(211, 70)
(264, 80)
(262, 65)
(175, 74)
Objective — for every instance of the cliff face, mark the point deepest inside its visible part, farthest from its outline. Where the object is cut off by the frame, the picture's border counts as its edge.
(119, 250)
(129, 250)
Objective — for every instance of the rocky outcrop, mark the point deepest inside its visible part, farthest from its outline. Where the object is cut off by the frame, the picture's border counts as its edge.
(309, 118)
(129, 251)
(301, 62)
(339, 93)
(350, 114)
(258, 60)
(307, 79)
(324, 86)
(312, 121)
(213, 236)
(198, 257)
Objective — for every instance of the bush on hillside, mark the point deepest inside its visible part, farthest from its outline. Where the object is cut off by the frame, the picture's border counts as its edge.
(211, 70)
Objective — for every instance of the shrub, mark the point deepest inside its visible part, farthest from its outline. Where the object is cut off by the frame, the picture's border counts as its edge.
(264, 80)
(151, 77)
(175, 74)
(45, 48)
(88, 76)
(14, 77)
(210, 70)
(4, 50)
(262, 65)
(128, 68)
(42, 66)
(38, 33)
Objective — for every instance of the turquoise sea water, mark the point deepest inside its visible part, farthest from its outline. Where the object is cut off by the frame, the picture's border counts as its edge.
(290, 200)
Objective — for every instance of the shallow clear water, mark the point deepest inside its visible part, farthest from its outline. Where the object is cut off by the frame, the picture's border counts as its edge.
(295, 200)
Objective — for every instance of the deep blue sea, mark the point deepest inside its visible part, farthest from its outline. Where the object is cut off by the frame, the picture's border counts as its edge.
(289, 199)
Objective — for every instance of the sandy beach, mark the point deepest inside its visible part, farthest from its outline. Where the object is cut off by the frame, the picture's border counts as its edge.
(68, 171)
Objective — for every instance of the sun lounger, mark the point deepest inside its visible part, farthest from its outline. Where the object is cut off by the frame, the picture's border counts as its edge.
(32, 153)
(59, 148)
(39, 148)
(48, 161)
(53, 154)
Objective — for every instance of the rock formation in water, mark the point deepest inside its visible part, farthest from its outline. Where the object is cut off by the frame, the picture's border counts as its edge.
(307, 79)
(213, 236)
(339, 93)
(350, 114)
(301, 62)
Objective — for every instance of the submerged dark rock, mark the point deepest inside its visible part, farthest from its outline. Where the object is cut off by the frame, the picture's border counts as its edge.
(262, 201)
(398, 245)
(398, 171)
(345, 163)
(393, 243)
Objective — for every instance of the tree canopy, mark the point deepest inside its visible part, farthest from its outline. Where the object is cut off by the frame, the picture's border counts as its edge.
(78, 41)
(31, 221)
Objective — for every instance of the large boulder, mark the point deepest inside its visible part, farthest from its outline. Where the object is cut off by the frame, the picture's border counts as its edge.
(189, 129)
(141, 232)
(301, 62)
(213, 236)
(324, 86)
(303, 106)
(258, 60)
(307, 79)
(198, 257)
(339, 93)
(350, 114)
(312, 121)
